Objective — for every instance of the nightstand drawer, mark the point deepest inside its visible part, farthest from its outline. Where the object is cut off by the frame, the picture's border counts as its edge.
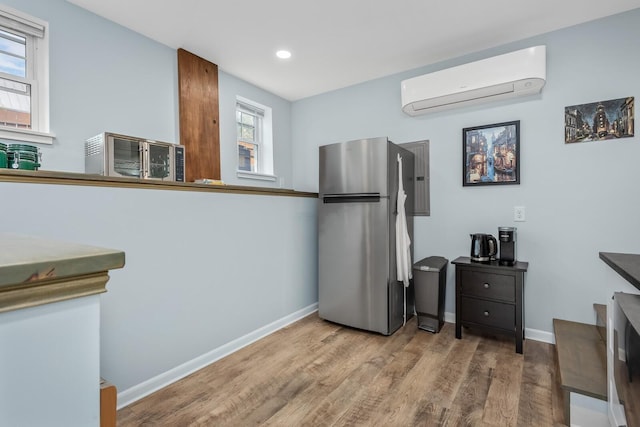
(488, 313)
(488, 285)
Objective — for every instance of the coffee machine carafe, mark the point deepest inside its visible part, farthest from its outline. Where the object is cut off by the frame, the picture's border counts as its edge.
(507, 238)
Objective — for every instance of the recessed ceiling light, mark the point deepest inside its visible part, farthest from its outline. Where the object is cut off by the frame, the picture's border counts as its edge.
(283, 54)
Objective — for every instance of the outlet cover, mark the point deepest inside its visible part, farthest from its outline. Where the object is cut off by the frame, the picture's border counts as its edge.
(518, 214)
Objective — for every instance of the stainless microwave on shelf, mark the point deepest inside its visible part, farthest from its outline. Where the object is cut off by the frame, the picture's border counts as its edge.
(111, 154)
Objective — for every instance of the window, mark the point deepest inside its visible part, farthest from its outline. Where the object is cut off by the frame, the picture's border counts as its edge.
(24, 78)
(249, 123)
(254, 140)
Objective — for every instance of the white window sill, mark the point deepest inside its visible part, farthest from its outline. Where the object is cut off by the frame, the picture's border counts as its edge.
(26, 135)
(256, 176)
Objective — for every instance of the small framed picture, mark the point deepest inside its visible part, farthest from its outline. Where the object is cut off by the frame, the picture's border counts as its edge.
(598, 121)
(491, 154)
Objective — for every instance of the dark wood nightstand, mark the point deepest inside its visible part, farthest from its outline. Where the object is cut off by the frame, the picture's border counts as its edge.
(490, 296)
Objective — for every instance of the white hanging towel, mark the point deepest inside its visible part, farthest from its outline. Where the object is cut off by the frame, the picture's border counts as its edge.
(403, 241)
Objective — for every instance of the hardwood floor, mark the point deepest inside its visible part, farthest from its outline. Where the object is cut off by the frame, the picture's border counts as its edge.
(316, 373)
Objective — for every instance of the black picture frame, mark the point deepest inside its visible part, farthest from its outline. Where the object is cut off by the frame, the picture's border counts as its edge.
(491, 154)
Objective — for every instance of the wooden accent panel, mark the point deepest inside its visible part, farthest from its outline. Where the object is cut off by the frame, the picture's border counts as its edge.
(318, 373)
(199, 116)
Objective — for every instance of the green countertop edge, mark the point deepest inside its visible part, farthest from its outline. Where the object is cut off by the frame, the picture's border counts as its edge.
(27, 259)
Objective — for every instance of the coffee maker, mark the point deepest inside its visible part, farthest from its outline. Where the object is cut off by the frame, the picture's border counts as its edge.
(507, 238)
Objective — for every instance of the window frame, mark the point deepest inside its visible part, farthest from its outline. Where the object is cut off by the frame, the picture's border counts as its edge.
(36, 33)
(258, 130)
(264, 141)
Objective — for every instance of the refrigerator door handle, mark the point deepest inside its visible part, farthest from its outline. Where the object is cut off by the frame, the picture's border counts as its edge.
(351, 198)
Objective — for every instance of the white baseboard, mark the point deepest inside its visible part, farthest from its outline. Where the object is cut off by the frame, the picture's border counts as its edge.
(147, 387)
(538, 335)
(449, 317)
(530, 334)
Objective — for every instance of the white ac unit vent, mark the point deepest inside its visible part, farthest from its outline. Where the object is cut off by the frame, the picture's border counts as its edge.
(518, 73)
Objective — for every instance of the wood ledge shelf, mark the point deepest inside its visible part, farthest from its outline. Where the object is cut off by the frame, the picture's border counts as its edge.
(70, 178)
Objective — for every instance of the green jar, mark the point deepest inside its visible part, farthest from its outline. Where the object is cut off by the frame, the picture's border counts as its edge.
(23, 147)
(25, 160)
(3, 155)
(23, 156)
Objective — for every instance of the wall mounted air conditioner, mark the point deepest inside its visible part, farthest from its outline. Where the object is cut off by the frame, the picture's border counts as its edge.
(518, 73)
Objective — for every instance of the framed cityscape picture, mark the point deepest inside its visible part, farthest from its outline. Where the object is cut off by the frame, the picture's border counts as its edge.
(598, 121)
(491, 154)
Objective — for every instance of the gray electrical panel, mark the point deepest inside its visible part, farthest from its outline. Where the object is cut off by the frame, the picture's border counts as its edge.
(420, 149)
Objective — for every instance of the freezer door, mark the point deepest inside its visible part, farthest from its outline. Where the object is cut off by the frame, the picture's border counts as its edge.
(358, 166)
(353, 260)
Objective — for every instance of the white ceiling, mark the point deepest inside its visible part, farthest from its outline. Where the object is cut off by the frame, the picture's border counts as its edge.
(337, 43)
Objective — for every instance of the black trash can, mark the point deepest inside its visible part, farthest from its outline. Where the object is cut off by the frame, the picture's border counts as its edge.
(430, 283)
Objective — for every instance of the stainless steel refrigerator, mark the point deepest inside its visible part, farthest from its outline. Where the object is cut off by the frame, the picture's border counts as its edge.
(358, 193)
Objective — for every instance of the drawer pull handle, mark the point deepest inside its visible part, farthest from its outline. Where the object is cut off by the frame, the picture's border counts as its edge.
(486, 286)
(486, 314)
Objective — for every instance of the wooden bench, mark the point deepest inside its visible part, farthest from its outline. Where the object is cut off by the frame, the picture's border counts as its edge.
(582, 360)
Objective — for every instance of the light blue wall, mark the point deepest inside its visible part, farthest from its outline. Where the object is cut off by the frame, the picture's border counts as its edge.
(202, 269)
(104, 77)
(580, 199)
